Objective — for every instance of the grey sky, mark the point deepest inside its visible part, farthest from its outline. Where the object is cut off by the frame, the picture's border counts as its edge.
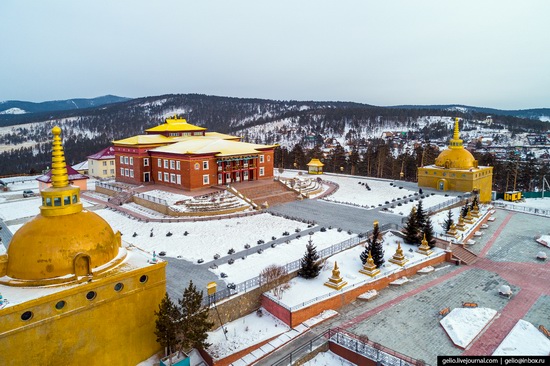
(386, 52)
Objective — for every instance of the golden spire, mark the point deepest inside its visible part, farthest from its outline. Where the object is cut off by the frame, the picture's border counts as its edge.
(60, 177)
(61, 198)
(456, 142)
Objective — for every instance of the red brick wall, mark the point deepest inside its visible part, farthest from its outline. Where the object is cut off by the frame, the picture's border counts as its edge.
(277, 310)
(267, 164)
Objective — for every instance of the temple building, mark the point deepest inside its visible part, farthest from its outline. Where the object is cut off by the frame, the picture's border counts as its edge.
(181, 155)
(72, 293)
(456, 169)
(102, 163)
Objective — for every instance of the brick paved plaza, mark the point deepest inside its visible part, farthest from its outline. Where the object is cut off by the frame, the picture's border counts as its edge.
(407, 318)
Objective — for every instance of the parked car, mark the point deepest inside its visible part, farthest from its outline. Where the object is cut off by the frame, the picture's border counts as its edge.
(28, 193)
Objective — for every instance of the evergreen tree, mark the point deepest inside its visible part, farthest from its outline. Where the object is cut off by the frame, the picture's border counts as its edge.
(194, 323)
(429, 232)
(464, 210)
(411, 229)
(166, 331)
(449, 221)
(474, 202)
(310, 266)
(420, 216)
(376, 248)
(365, 253)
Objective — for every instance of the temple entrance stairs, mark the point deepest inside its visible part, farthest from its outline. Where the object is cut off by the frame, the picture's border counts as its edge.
(464, 255)
(273, 192)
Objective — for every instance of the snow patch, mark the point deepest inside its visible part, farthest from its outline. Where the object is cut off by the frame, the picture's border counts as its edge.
(463, 325)
(524, 340)
(14, 111)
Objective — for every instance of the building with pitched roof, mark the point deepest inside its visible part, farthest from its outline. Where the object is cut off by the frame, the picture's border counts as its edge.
(184, 156)
(75, 178)
(71, 291)
(102, 163)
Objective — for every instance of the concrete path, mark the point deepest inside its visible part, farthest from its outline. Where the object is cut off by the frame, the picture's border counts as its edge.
(324, 213)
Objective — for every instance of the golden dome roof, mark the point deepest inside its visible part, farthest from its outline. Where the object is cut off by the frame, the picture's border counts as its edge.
(50, 246)
(456, 156)
(63, 240)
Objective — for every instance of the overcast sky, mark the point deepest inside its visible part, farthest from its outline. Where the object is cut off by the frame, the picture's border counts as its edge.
(385, 52)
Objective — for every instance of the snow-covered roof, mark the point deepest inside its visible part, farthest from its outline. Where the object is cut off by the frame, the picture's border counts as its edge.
(105, 154)
(73, 175)
(81, 166)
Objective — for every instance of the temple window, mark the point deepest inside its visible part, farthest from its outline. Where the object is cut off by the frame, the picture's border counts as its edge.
(75, 198)
(57, 201)
(205, 179)
(159, 161)
(165, 164)
(261, 171)
(48, 201)
(178, 166)
(27, 315)
(131, 160)
(145, 161)
(261, 158)
(205, 165)
(66, 200)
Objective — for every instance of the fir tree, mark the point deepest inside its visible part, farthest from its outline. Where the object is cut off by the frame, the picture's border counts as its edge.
(310, 266)
(449, 221)
(194, 323)
(365, 253)
(429, 232)
(474, 202)
(464, 210)
(166, 331)
(411, 229)
(376, 248)
(420, 216)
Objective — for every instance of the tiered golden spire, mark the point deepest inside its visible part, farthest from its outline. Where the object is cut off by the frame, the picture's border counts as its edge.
(60, 177)
(61, 198)
(456, 142)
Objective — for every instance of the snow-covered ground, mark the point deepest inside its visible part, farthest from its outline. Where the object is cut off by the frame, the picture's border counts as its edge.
(303, 291)
(524, 340)
(243, 333)
(439, 218)
(328, 359)
(427, 202)
(464, 324)
(205, 238)
(242, 269)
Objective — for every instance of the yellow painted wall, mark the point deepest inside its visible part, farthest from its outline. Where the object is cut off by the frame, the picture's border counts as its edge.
(96, 167)
(114, 328)
(458, 180)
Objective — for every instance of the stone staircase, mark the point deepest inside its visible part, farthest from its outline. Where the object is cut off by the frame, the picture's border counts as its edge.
(273, 193)
(121, 198)
(464, 255)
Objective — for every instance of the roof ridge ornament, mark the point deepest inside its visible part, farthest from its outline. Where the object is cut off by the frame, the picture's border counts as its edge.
(60, 177)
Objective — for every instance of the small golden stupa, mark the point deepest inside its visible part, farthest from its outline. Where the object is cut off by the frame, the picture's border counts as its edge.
(475, 211)
(336, 281)
(452, 230)
(460, 225)
(469, 219)
(424, 248)
(369, 268)
(398, 258)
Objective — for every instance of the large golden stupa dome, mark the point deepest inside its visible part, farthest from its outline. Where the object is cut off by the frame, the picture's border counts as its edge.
(64, 241)
(456, 156)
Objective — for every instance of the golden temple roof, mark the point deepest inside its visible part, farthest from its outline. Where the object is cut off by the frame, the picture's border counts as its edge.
(175, 125)
(315, 162)
(144, 140)
(220, 147)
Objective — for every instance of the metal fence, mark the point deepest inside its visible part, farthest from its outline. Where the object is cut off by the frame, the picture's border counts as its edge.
(111, 187)
(521, 208)
(154, 199)
(290, 267)
(446, 204)
(362, 346)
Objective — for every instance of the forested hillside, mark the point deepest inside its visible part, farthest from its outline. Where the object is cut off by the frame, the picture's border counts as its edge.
(353, 129)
